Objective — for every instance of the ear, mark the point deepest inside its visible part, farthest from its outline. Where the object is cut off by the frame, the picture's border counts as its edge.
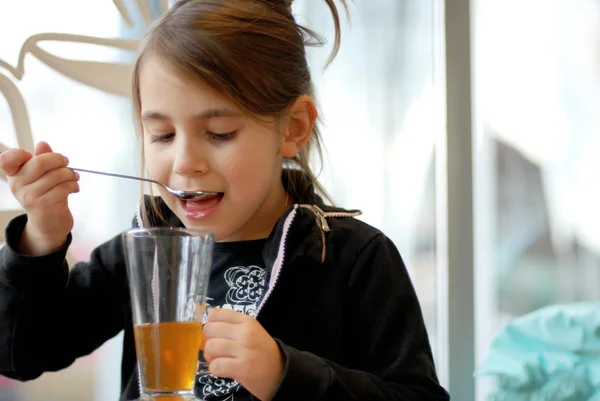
(298, 126)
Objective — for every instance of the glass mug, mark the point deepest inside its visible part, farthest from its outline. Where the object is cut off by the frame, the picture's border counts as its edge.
(168, 271)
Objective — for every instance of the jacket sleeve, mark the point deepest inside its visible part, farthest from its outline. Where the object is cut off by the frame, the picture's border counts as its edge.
(392, 348)
(50, 314)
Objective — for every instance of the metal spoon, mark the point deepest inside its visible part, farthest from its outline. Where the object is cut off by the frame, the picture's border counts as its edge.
(184, 195)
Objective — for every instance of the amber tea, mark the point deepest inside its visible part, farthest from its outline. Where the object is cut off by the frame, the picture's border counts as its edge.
(168, 355)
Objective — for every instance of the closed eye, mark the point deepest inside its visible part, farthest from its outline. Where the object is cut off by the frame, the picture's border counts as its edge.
(224, 136)
(161, 138)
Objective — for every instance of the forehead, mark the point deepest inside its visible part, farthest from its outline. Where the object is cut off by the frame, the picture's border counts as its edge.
(163, 89)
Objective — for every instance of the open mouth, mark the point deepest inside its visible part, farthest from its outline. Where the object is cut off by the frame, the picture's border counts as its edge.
(201, 207)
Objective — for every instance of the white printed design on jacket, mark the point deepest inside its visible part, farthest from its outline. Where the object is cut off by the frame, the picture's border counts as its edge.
(246, 288)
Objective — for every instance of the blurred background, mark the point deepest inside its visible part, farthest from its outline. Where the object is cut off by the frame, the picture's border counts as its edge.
(537, 97)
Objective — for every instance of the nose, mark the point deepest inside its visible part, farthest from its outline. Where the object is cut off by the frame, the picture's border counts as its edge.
(189, 158)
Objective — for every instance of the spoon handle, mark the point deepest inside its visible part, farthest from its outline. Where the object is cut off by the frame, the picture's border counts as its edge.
(115, 175)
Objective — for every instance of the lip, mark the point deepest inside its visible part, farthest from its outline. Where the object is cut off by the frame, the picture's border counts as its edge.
(197, 210)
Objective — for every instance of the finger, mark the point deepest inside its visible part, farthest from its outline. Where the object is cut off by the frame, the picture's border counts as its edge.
(225, 367)
(221, 347)
(42, 147)
(220, 330)
(226, 315)
(50, 180)
(59, 193)
(12, 160)
(35, 168)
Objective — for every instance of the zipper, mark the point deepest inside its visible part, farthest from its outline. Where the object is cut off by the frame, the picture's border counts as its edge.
(323, 226)
(140, 222)
(138, 218)
(321, 218)
(138, 214)
(322, 215)
(278, 265)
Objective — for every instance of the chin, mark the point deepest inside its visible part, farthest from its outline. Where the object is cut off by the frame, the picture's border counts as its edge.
(191, 224)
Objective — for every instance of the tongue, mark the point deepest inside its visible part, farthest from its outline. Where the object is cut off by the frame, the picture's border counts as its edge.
(202, 204)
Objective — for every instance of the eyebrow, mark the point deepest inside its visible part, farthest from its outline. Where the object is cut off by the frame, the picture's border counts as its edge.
(211, 113)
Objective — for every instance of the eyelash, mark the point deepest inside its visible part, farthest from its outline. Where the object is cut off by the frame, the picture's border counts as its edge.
(161, 138)
(226, 136)
(212, 135)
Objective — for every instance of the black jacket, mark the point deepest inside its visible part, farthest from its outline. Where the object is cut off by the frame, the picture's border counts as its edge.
(355, 330)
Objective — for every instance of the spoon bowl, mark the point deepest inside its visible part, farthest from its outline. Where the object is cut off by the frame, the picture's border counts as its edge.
(181, 194)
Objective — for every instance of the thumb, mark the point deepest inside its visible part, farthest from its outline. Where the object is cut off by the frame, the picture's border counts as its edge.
(42, 147)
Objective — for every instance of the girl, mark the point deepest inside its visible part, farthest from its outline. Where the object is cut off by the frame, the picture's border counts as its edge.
(310, 304)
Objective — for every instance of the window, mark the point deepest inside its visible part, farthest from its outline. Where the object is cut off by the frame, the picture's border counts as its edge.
(538, 85)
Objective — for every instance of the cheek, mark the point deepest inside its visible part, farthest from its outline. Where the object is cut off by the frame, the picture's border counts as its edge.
(156, 165)
(250, 172)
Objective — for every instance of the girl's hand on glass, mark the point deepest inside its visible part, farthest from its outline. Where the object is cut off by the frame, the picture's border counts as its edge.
(239, 348)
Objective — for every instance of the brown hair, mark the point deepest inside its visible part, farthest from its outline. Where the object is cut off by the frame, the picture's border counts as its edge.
(250, 51)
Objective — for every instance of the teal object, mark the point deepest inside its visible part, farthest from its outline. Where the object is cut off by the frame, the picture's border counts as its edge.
(552, 354)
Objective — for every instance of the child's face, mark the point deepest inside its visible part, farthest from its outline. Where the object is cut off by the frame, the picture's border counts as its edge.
(195, 140)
